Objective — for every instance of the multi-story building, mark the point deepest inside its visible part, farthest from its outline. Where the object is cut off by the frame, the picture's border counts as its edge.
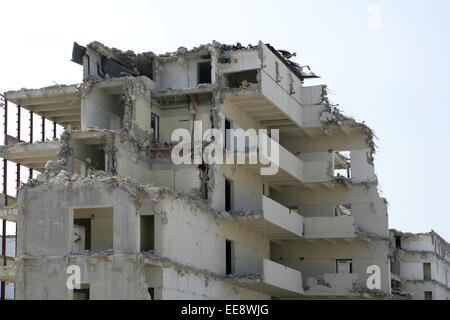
(111, 200)
(420, 265)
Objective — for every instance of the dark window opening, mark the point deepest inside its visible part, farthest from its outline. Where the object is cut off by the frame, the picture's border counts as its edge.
(428, 295)
(96, 159)
(427, 271)
(227, 195)
(241, 79)
(147, 233)
(155, 126)
(229, 256)
(81, 294)
(88, 62)
(227, 134)
(344, 266)
(204, 72)
(398, 242)
(86, 224)
(151, 292)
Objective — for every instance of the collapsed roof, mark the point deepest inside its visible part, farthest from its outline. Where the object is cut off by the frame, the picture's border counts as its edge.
(117, 63)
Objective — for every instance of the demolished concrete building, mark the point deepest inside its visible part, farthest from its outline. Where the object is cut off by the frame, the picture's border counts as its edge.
(420, 265)
(110, 200)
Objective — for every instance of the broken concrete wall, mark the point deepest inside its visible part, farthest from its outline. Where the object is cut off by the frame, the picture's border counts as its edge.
(181, 71)
(418, 289)
(278, 72)
(179, 285)
(319, 257)
(186, 225)
(108, 277)
(45, 216)
(423, 264)
(420, 242)
(361, 169)
(240, 60)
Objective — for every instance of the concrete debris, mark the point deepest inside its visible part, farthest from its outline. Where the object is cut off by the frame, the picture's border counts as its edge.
(332, 116)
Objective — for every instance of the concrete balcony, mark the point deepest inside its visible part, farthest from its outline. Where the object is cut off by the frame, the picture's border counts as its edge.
(9, 213)
(61, 103)
(330, 227)
(31, 155)
(277, 280)
(8, 272)
(292, 170)
(331, 284)
(276, 221)
(273, 102)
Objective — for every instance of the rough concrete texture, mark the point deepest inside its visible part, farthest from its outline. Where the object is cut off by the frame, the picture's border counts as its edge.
(190, 231)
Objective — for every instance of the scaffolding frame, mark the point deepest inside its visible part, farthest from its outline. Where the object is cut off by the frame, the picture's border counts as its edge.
(5, 106)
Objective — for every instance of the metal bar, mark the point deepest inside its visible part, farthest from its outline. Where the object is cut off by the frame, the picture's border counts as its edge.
(54, 130)
(43, 129)
(19, 109)
(18, 122)
(5, 176)
(31, 139)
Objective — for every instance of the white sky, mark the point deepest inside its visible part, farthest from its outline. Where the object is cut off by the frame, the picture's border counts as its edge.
(387, 63)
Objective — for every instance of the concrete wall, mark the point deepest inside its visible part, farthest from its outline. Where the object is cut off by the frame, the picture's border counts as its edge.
(193, 236)
(179, 74)
(46, 220)
(179, 285)
(367, 208)
(319, 257)
(101, 110)
(246, 188)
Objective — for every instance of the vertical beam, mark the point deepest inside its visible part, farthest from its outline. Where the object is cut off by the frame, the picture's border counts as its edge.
(54, 130)
(18, 139)
(5, 171)
(43, 129)
(31, 139)
(19, 109)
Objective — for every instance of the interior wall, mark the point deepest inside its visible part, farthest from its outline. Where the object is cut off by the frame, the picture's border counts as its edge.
(101, 110)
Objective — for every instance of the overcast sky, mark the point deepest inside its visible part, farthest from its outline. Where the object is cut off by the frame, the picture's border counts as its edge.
(386, 62)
